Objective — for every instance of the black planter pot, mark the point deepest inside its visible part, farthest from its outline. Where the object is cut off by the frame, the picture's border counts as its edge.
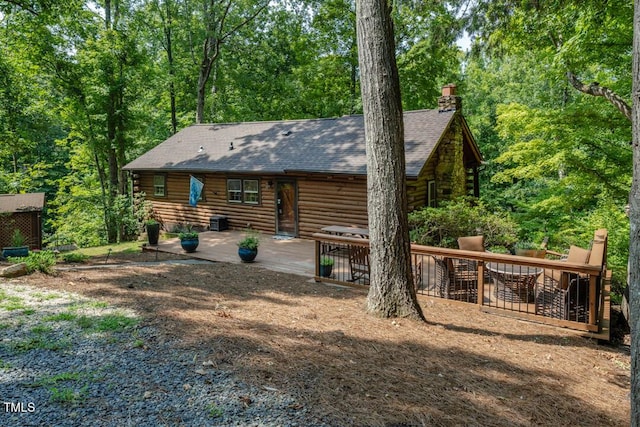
(189, 245)
(247, 255)
(15, 251)
(325, 270)
(153, 233)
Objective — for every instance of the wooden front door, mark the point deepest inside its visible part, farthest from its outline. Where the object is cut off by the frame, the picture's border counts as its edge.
(286, 208)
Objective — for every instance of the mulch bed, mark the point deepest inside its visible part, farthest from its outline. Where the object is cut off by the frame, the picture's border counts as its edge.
(461, 367)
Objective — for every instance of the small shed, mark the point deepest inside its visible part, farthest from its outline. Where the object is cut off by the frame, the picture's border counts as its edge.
(21, 212)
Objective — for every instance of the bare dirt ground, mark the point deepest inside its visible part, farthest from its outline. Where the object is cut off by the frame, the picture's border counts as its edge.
(461, 367)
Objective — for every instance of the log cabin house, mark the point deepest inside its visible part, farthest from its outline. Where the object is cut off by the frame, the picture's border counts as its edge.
(294, 177)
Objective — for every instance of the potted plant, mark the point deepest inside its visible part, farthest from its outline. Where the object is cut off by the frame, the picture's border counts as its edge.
(189, 241)
(248, 247)
(18, 246)
(529, 249)
(153, 231)
(326, 266)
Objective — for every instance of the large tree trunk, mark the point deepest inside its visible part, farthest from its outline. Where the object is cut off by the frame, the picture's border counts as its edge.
(634, 215)
(391, 291)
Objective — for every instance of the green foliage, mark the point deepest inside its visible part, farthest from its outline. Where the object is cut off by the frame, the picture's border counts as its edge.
(527, 245)
(60, 317)
(17, 238)
(250, 241)
(106, 323)
(214, 410)
(68, 395)
(11, 302)
(40, 342)
(74, 257)
(326, 261)
(188, 235)
(442, 226)
(42, 261)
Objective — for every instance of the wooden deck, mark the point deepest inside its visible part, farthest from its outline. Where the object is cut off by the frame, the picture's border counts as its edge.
(508, 285)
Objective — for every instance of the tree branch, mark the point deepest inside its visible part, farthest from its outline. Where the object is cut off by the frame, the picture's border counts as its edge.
(24, 6)
(595, 89)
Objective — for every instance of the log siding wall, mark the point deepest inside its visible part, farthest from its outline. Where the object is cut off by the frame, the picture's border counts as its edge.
(322, 200)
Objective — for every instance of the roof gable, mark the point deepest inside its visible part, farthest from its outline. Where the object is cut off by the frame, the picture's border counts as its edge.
(315, 146)
(13, 203)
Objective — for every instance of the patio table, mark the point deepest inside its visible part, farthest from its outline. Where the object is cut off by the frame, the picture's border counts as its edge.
(339, 230)
(514, 283)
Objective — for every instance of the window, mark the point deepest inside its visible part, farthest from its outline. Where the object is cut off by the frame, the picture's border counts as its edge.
(234, 190)
(431, 194)
(250, 187)
(159, 185)
(243, 191)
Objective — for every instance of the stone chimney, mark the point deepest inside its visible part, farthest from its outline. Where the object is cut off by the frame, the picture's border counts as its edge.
(449, 101)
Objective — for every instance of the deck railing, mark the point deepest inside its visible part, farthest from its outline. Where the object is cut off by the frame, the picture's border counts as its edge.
(555, 292)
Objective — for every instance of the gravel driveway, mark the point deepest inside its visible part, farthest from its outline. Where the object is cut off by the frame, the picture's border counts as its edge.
(66, 360)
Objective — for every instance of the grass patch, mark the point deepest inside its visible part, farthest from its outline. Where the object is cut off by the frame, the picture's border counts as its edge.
(214, 410)
(29, 311)
(55, 379)
(61, 317)
(4, 365)
(45, 297)
(60, 389)
(41, 329)
(106, 323)
(97, 304)
(74, 257)
(99, 251)
(40, 342)
(68, 395)
(13, 302)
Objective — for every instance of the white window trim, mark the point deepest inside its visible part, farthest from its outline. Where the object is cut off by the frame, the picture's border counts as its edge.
(160, 190)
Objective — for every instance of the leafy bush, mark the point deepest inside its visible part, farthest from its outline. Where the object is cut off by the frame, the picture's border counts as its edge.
(326, 261)
(188, 235)
(18, 239)
(463, 217)
(250, 241)
(42, 261)
(74, 257)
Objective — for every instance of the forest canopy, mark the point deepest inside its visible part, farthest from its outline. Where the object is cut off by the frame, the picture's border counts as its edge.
(85, 87)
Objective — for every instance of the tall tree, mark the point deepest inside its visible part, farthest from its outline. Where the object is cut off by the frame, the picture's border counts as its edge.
(391, 292)
(634, 237)
(589, 39)
(222, 19)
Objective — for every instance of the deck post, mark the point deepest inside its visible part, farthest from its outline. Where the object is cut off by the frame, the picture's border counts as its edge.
(317, 261)
(593, 316)
(480, 283)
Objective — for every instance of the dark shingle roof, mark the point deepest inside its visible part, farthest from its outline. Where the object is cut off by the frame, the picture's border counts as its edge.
(29, 202)
(317, 145)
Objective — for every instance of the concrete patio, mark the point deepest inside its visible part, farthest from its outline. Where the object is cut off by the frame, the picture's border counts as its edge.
(288, 255)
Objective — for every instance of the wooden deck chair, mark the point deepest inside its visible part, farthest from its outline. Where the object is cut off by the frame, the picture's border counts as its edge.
(458, 277)
(359, 264)
(565, 295)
